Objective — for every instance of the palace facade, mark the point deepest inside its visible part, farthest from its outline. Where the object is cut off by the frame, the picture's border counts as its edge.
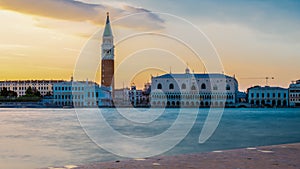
(193, 90)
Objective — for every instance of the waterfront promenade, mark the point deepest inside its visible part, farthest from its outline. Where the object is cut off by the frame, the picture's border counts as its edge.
(268, 157)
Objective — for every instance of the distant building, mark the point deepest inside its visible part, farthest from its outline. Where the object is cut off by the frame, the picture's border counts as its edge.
(20, 86)
(81, 94)
(147, 94)
(147, 88)
(193, 90)
(135, 96)
(121, 97)
(132, 96)
(294, 94)
(268, 96)
(242, 97)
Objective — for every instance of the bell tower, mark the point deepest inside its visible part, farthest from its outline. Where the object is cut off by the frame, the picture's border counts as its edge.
(107, 57)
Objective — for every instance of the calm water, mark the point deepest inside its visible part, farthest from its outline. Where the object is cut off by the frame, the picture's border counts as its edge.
(36, 138)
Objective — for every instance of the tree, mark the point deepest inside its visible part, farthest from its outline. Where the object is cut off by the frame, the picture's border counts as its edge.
(8, 93)
(4, 92)
(12, 94)
(37, 93)
(29, 91)
(32, 92)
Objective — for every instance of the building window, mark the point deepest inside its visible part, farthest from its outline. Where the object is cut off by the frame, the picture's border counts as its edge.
(171, 86)
(159, 86)
(203, 86)
(193, 87)
(183, 86)
(227, 87)
(215, 87)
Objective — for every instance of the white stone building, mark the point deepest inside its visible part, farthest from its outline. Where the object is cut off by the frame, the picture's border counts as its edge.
(294, 94)
(193, 90)
(81, 94)
(121, 97)
(268, 96)
(20, 86)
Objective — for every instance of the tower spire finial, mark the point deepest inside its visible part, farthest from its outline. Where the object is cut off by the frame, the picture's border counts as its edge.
(107, 17)
(107, 29)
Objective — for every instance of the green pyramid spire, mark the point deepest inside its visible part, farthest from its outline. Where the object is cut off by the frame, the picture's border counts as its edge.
(107, 30)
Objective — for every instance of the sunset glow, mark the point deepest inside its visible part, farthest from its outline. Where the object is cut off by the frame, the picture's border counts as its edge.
(255, 40)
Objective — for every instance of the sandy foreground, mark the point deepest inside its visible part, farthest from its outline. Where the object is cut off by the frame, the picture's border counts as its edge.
(285, 156)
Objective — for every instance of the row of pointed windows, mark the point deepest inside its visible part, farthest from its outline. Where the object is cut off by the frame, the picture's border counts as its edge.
(183, 86)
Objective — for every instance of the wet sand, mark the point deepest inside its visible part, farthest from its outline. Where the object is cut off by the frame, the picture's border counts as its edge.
(268, 157)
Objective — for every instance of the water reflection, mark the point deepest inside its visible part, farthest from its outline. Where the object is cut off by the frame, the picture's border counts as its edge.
(35, 138)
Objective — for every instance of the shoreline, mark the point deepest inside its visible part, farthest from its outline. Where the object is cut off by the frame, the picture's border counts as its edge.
(41, 106)
(271, 157)
(45, 105)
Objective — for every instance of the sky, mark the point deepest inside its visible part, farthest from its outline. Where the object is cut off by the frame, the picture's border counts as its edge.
(45, 39)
